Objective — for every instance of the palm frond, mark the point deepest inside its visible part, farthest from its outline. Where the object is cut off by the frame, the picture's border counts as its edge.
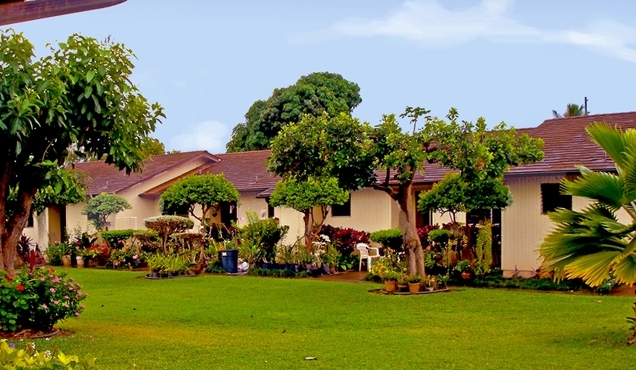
(593, 268)
(611, 139)
(625, 270)
(603, 187)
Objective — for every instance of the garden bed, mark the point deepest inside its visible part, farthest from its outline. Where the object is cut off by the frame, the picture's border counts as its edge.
(382, 291)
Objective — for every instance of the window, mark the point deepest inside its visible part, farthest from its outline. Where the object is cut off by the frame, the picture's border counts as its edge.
(551, 198)
(270, 210)
(343, 210)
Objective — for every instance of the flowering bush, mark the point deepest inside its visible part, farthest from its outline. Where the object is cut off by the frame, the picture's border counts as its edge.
(38, 299)
(127, 258)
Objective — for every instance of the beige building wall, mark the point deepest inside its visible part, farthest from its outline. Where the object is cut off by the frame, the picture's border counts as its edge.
(524, 226)
(371, 210)
(249, 202)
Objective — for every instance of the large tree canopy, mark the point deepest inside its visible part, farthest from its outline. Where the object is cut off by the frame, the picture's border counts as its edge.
(332, 151)
(313, 94)
(79, 96)
(481, 157)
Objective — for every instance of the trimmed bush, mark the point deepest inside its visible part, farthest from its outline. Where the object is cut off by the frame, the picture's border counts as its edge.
(168, 225)
(390, 238)
(116, 238)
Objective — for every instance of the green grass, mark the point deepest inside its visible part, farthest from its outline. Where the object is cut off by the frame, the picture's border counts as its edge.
(225, 322)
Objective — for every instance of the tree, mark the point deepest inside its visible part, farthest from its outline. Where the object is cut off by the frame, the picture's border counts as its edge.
(313, 94)
(305, 196)
(332, 151)
(79, 95)
(592, 244)
(481, 158)
(166, 226)
(101, 206)
(205, 191)
(572, 110)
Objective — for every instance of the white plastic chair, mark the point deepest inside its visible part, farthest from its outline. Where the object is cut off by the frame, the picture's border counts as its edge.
(367, 253)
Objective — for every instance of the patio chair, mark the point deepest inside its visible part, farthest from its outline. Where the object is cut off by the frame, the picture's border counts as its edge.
(367, 254)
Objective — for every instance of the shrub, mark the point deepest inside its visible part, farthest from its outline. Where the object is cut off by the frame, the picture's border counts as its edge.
(391, 238)
(263, 235)
(116, 238)
(168, 225)
(37, 300)
(54, 254)
(345, 239)
(146, 240)
(29, 358)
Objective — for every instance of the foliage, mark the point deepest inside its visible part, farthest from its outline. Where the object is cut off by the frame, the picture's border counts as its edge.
(30, 359)
(324, 146)
(345, 239)
(165, 226)
(571, 110)
(79, 95)
(592, 244)
(73, 192)
(303, 196)
(146, 240)
(463, 266)
(480, 156)
(116, 238)
(174, 263)
(414, 279)
(206, 191)
(101, 206)
(37, 299)
(129, 258)
(390, 238)
(314, 94)
(388, 267)
(264, 235)
(483, 248)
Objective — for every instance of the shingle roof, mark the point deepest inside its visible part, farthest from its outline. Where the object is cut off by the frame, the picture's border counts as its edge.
(107, 178)
(246, 170)
(567, 144)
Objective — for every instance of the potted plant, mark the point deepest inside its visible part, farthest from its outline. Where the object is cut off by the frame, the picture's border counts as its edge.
(402, 283)
(154, 262)
(390, 279)
(66, 250)
(442, 280)
(414, 283)
(463, 267)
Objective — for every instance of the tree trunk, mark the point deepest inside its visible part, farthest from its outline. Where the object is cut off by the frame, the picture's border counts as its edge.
(410, 239)
(13, 228)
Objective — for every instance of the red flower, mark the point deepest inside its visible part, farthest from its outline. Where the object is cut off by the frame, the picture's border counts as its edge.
(10, 277)
(20, 287)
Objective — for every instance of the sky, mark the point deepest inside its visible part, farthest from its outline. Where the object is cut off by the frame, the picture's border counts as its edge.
(207, 61)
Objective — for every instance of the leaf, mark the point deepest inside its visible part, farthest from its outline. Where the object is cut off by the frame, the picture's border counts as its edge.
(90, 75)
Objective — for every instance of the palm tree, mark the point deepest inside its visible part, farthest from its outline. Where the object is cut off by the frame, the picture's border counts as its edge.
(572, 110)
(592, 244)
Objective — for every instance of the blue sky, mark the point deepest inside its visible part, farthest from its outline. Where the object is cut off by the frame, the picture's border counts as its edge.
(207, 61)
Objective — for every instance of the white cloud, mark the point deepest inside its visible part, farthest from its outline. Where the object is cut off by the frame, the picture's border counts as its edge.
(207, 135)
(429, 23)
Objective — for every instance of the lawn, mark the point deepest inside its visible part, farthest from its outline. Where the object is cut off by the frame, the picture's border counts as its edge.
(226, 322)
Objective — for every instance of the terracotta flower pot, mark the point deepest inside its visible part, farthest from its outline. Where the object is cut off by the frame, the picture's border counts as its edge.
(414, 287)
(390, 286)
(66, 260)
(465, 275)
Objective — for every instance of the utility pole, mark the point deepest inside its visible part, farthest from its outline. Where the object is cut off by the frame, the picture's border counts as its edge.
(585, 106)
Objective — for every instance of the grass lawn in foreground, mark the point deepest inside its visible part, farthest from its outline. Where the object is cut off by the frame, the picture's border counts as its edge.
(244, 322)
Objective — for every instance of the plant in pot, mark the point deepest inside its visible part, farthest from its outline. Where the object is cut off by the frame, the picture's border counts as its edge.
(66, 250)
(442, 280)
(414, 283)
(402, 283)
(390, 279)
(463, 267)
(154, 262)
